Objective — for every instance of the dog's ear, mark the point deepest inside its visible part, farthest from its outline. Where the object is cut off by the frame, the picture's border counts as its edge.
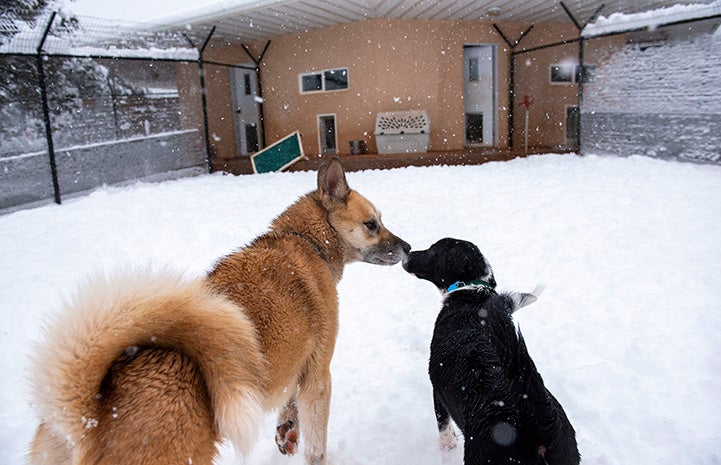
(332, 184)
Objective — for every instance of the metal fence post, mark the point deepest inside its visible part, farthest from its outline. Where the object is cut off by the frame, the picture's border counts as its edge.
(512, 77)
(257, 62)
(46, 110)
(203, 97)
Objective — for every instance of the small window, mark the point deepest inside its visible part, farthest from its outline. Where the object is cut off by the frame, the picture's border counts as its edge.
(562, 73)
(586, 73)
(473, 73)
(336, 79)
(246, 82)
(474, 128)
(572, 74)
(311, 82)
(327, 80)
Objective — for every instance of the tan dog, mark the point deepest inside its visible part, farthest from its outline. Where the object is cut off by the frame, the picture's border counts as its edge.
(150, 369)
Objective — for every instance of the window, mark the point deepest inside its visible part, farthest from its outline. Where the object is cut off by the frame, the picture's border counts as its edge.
(473, 73)
(569, 73)
(336, 79)
(585, 73)
(474, 128)
(562, 73)
(246, 82)
(324, 81)
(311, 83)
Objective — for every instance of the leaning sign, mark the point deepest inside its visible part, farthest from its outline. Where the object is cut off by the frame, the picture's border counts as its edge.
(279, 155)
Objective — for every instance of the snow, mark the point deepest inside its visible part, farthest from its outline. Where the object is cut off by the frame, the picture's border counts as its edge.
(651, 19)
(625, 333)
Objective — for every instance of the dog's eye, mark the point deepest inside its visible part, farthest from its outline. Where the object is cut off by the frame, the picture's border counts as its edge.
(372, 225)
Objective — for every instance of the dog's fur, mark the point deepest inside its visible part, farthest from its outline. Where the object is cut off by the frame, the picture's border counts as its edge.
(482, 375)
(149, 368)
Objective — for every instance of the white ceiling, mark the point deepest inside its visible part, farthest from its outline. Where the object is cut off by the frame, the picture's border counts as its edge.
(264, 19)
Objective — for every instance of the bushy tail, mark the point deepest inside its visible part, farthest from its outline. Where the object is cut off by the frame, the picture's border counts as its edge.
(110, 316)
(521, 299)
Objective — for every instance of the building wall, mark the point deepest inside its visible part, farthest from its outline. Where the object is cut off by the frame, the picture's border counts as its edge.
(547, 113)
(394, 64)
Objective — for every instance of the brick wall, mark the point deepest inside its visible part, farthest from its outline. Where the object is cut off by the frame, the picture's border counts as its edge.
(662, 100)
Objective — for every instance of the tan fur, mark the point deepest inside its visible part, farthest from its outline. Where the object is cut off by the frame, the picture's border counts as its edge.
(148, 368)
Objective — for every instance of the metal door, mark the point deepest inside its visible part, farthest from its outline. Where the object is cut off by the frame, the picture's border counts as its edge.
(246, 116)
(479, 94)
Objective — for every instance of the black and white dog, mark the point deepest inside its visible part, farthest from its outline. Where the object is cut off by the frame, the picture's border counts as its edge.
(482, 375)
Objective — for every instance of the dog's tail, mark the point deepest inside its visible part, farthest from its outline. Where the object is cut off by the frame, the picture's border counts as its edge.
(114, 316)
(521, 299)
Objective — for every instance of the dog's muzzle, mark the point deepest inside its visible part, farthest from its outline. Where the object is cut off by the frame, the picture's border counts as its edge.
(388, 252)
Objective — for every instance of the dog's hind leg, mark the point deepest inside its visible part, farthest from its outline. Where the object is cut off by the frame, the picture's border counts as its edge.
(286, 435)
(445, 426)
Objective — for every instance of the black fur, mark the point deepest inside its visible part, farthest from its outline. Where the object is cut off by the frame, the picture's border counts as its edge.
(482, 375)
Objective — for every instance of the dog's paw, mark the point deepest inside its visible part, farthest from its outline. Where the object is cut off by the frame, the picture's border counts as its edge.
(448, 438)
(286, 437)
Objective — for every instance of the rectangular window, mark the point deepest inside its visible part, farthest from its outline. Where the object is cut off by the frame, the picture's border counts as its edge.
(474, 128)
(311, 82)
(473, 74)
(246, 82)
(251, 137)
(324, 81)
(562, 73)
(585, 73)
(336, 79)
(572, 73)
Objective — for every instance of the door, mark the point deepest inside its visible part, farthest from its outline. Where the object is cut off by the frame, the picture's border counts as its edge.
(327, 141)
(572, 122)
(246, 115)
(479, 94)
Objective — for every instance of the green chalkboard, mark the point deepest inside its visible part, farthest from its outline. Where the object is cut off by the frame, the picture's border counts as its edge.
(279, 155)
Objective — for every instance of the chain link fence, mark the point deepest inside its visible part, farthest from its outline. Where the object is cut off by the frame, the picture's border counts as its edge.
(86, 102)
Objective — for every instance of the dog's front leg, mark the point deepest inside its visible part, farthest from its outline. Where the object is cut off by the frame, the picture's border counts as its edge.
(286, 435)
(445, 426)
(313, 409)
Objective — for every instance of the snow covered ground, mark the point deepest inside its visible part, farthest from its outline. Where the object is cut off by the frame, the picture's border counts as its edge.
(626, 333)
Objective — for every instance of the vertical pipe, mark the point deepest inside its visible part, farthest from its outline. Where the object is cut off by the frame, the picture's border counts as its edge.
(46, 111)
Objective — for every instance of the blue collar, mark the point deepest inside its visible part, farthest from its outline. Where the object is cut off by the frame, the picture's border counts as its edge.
(461, 284)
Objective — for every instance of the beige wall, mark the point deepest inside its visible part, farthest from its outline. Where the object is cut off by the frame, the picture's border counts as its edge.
(547, 114)
(393, 64)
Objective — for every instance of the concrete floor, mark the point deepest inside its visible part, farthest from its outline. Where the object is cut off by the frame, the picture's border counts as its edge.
(473, 156)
